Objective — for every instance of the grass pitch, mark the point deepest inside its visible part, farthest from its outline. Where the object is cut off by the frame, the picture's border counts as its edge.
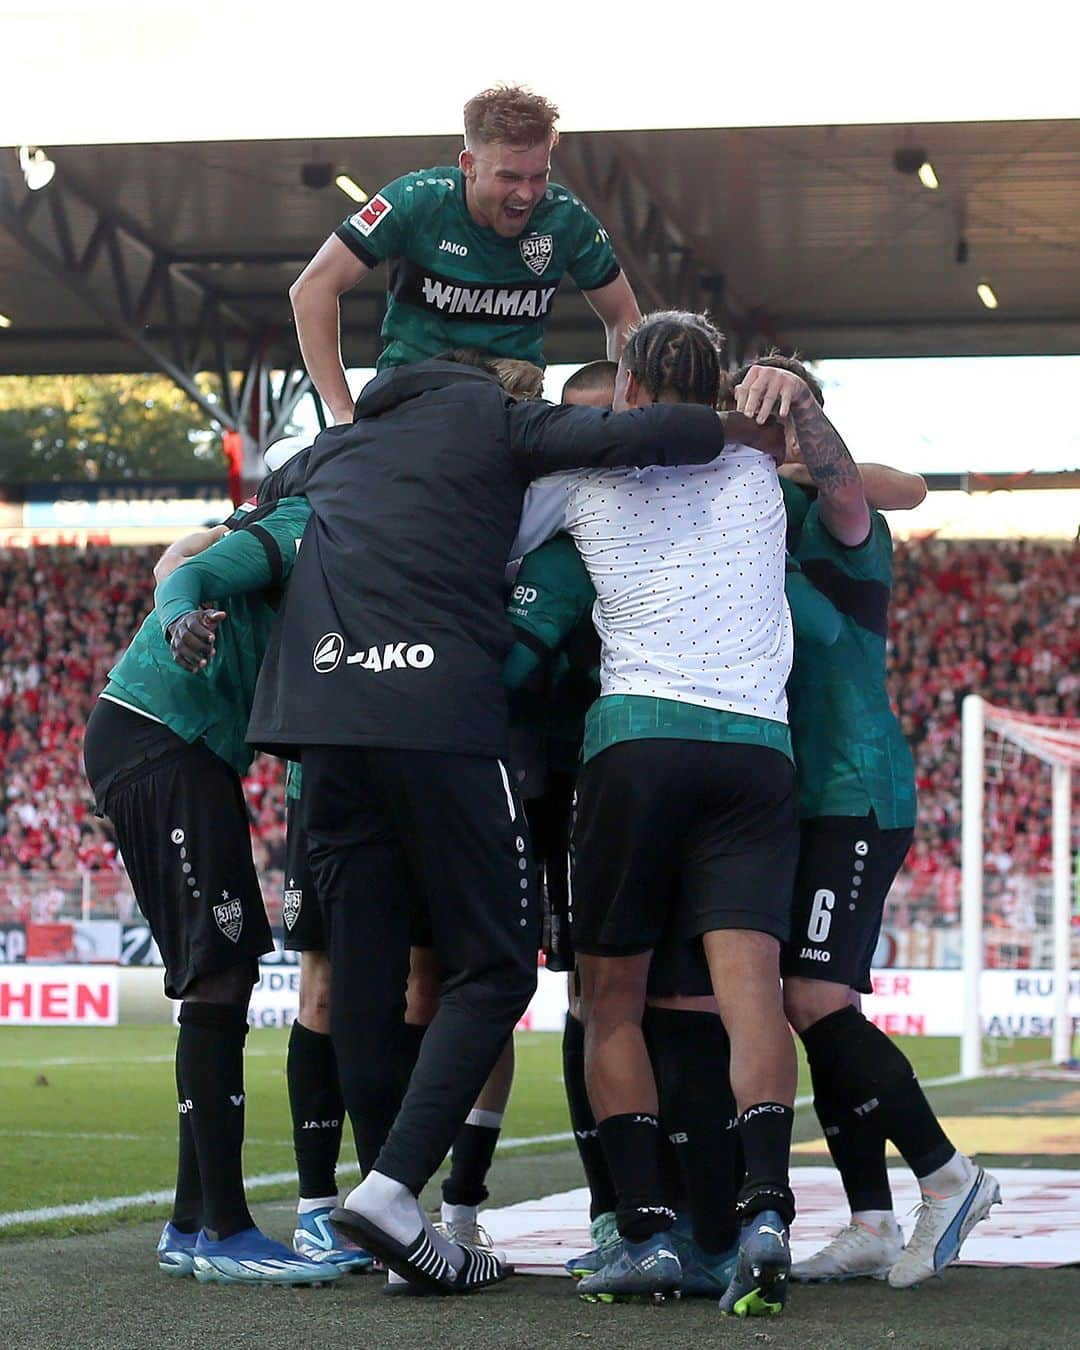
(90, 1114)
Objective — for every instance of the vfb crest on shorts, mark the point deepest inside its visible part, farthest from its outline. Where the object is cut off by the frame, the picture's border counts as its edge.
(229, 917)
(290, 907)
(536, 252)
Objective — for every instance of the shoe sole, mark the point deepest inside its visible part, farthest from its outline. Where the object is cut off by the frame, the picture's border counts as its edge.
(210, 1274)
(979, 1210)
(406, 1290)
(882, 1273)
(654, 1296)
(348, 1265)
(395, 1256)
(767, 1296)
(180, 1268)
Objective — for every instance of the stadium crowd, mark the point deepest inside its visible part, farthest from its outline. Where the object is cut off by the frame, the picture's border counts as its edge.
(1002, 619)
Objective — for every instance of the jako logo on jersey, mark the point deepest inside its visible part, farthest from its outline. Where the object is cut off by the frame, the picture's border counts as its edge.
(328, 652)
(394, 656)
(500, 302)
(814, 954)
(458, 250)
(536, 252)
(369, 216)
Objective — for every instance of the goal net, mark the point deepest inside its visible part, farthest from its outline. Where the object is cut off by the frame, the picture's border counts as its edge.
(1017, 916)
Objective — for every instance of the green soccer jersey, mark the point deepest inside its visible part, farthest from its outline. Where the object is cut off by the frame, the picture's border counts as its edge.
(454, 283)
(240, 574)
(849, 750)
(552, 671)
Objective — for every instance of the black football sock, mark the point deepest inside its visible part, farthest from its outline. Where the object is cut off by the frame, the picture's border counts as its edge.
(631, 1146)
(765, 1131)
(187, 1205)
(474, 1148)
(868, 1073)
(583, 1123)
(671, 1176)
(857, 1147)
(210, 1052)
(317, 1110)
(691, 1057)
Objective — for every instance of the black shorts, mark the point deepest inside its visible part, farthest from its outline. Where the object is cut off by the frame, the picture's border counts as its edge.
(182, 827)
(703, 834)
(429, 843)
(846, 867)
(301, 913)
(678, 968)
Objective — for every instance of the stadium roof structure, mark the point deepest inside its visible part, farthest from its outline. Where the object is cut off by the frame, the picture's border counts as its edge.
(178, 256)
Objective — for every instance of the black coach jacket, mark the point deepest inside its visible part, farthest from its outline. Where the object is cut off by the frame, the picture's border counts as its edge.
(393, 631)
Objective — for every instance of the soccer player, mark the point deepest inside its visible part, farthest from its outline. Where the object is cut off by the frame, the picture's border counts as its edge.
(388, 675)
(478, 251)
(315, 1101)
(551, 611)
(164, 751)
(555, 664)
(689, 742)
(857, 808)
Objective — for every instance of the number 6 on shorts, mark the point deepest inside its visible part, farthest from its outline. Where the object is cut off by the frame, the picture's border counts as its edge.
(817, 930)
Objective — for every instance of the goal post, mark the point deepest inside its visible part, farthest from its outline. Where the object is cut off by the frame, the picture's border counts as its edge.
(1056, 742)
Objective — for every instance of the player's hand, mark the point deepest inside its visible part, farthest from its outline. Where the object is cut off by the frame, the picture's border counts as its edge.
(192, 637)
(343, 416)
(742, 430)
(768, 390)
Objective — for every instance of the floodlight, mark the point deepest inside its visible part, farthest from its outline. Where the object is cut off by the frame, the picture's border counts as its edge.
(37, 168)
(351, 188)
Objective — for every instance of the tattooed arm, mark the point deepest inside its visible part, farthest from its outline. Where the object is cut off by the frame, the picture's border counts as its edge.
(813, 439)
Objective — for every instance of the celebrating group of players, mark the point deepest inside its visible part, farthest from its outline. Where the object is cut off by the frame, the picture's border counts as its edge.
(662, 749)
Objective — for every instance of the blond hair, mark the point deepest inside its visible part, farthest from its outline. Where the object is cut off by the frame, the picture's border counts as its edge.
(508, 114)
(520, 379)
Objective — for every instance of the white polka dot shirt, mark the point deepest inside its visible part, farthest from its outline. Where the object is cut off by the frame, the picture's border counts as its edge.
(688, 565)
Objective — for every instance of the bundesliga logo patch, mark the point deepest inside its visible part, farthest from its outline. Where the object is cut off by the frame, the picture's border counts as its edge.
(290, 907)
(229, 917)
(371, 215)
(536, 252)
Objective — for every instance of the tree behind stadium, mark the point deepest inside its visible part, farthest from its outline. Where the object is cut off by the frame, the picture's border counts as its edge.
(108, 427)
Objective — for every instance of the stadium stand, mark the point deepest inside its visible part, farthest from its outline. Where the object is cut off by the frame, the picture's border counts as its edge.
(1001, 619)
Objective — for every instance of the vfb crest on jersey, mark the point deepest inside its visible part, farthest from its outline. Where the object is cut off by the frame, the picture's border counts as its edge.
(536, 252)
(290, 907)
(229, 917)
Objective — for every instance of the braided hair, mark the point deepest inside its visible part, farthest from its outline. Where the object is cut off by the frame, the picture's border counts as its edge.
(677, 354)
